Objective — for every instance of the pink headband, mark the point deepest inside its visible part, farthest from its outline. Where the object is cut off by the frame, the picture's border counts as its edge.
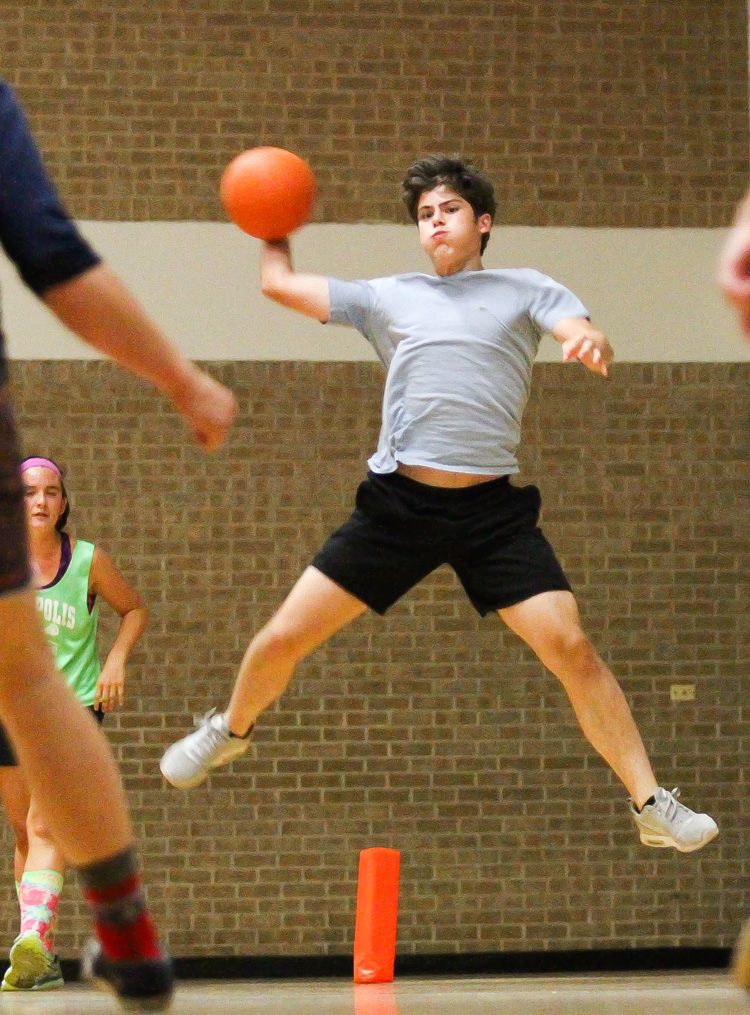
(44, 463)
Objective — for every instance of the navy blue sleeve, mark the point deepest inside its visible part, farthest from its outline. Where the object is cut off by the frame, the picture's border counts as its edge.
(36, 232)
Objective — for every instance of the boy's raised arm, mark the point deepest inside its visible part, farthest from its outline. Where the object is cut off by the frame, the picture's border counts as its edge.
(307, 294)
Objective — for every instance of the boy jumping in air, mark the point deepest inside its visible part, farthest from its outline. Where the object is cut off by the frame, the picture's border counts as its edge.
(458, 347)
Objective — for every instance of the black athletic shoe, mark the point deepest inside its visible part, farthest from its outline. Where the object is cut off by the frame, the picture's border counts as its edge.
(141, 986)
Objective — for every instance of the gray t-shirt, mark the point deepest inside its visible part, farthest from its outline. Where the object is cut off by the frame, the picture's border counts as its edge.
(459, 351)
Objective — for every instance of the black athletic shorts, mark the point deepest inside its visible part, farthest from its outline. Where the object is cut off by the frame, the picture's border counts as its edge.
(401, 530)
(8, 757)
(15, 574)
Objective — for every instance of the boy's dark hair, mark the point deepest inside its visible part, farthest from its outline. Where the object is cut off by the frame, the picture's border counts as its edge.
(456, 173)
(62, 520)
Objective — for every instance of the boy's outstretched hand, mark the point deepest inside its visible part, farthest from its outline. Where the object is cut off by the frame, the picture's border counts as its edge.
(581, 341)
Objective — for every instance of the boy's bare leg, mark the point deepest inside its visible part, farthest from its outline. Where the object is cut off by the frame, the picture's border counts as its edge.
(314, 610)
(549, 623)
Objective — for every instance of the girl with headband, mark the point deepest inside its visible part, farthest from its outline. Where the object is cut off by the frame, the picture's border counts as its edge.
(70, 575)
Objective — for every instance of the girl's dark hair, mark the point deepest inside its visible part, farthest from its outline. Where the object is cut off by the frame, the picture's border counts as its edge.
(63, 519)
(456, 173)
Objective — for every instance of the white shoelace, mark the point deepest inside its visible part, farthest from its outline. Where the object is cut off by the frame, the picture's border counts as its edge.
(203, 720)
(212, 738)
(675, 811)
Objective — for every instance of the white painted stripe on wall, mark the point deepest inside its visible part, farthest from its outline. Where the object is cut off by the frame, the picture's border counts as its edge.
(652, 290)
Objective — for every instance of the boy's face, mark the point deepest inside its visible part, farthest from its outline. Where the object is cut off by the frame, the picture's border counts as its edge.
(448, 232)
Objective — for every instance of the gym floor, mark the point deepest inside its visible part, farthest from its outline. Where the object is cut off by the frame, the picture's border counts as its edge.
(610, 994)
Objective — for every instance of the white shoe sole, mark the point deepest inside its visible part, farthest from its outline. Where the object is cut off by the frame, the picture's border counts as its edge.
(181, 783)
(666, 841)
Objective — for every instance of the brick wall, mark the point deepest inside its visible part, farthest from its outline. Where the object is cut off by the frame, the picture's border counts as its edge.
(429, 731)
(594, 114)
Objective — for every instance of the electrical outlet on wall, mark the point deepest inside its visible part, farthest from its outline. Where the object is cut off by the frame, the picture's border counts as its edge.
(682, 692)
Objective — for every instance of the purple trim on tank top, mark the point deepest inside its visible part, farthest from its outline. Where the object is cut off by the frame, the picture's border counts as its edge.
(66, 555)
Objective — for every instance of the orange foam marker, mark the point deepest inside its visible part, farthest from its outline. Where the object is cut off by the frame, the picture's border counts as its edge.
(377, 915)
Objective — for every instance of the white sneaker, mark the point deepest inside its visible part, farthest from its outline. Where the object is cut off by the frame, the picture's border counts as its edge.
(187, 763)
(669, 823)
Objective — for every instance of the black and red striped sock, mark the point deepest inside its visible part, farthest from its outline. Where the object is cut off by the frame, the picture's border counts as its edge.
(123, 924)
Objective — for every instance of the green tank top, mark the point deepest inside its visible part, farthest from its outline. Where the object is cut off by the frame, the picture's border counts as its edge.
(69, 626)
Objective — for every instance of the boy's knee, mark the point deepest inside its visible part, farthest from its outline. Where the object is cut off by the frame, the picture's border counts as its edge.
(277, 641)
(573, 650)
